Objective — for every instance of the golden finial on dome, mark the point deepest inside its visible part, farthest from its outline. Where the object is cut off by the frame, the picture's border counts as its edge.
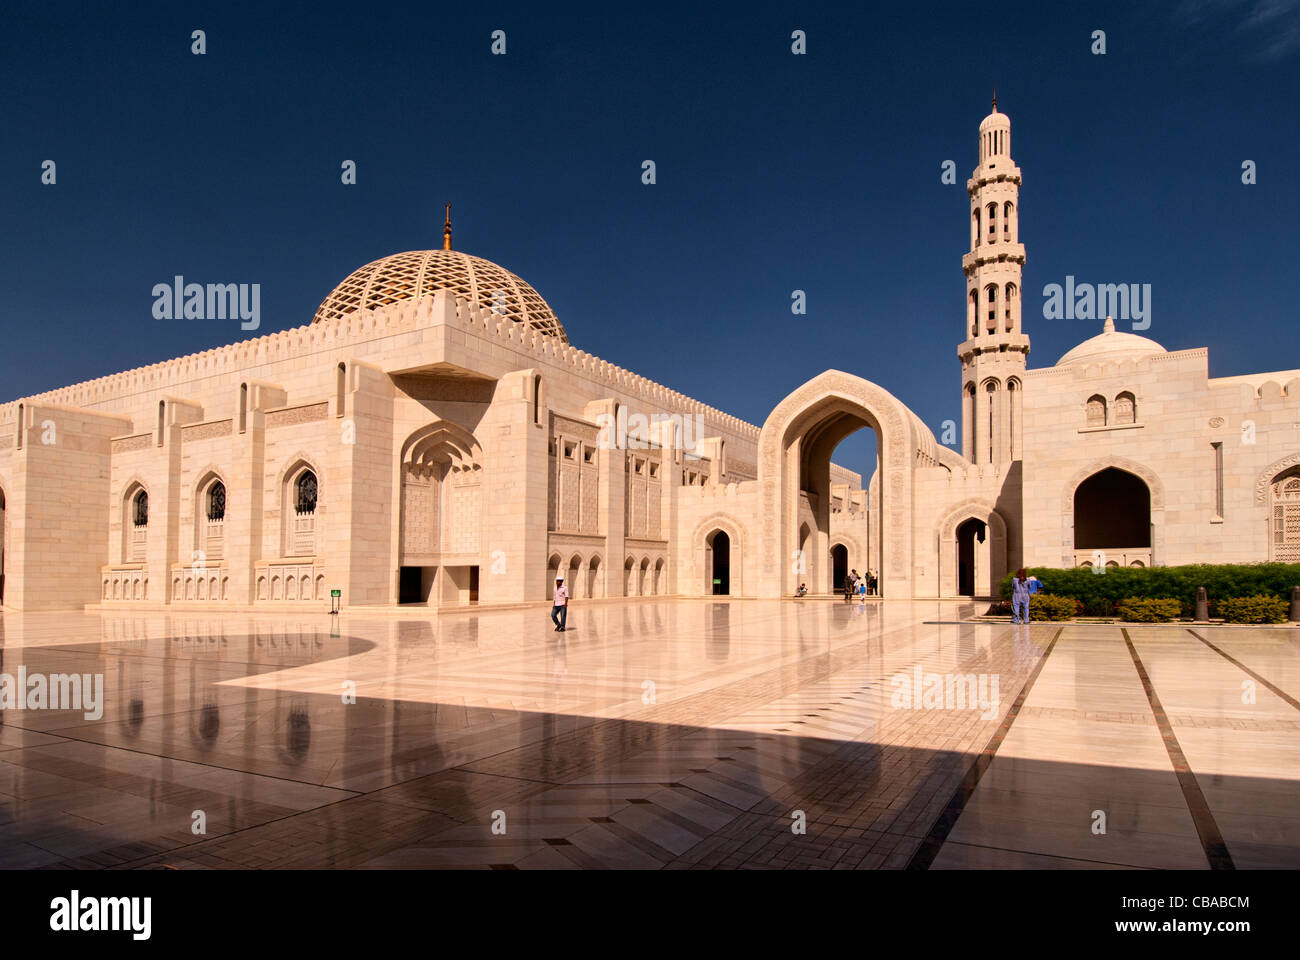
(995, 98)
(446, 230)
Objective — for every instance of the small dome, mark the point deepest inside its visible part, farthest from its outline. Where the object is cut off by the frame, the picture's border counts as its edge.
(1110, 345)
(420, 273)
(995, 120)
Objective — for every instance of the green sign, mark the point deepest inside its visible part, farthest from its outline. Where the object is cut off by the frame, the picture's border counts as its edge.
(336, 593)
(717, 580)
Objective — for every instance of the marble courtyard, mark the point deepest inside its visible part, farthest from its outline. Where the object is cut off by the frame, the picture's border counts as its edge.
(432, 437)
(656, 733)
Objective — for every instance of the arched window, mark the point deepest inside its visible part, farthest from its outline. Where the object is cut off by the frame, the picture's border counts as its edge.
(975, 225)
(990, 411)
(991, 305)
(304, 493)
(1125, 408)
(1284, 541)
(972, 313)
(217, 501)
(1014, 415)
(300, 494)
(1009, 306)
(1096, 411)
(1007, 209)
(992, 212)
(970, 429)
(340, 389)
(210, 516)
(140, 510)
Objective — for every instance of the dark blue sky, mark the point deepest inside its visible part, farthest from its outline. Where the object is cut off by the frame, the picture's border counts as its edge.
(775, 172)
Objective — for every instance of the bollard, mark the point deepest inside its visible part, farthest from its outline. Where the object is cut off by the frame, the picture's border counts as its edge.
(1202, 605)
(1295, 604)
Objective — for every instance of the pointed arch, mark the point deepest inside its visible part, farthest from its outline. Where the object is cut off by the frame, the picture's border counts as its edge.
(799, 436)
(993, 550)
(1154, 485)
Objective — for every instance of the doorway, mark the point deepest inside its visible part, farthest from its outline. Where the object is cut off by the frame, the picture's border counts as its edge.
(839, 566)
(414, 584)
(720, 567)
(970, 533)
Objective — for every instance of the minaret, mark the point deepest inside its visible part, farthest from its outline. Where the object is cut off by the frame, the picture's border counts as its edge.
(993, 355)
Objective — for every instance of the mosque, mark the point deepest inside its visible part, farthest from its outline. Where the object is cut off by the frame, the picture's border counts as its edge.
(432, 437)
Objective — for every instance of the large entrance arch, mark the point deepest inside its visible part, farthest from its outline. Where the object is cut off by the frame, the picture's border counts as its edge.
(794, 451)
(1109, 501)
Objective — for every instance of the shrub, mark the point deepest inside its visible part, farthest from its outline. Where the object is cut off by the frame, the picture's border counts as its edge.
(1261, 609)
(999, 608)
(1222, 581)
(1149, 610)
(1098, 607)
(1045, 606)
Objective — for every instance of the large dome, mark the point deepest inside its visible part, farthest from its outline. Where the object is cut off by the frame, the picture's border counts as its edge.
(1111, 345)
(419, 273)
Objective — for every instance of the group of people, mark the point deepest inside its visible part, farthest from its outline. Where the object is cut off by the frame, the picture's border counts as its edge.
(855, 585)
(861, 586)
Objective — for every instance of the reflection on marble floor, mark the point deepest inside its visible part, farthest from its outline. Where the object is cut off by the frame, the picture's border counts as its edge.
(678, 734)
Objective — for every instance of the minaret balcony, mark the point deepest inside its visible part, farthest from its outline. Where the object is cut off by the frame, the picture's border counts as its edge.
(987, 343)
(998, 251)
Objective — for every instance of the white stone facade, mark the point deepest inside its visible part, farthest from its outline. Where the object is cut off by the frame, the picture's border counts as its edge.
(432, 437)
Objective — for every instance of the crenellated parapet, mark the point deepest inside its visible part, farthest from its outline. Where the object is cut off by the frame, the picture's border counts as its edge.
(351, 331)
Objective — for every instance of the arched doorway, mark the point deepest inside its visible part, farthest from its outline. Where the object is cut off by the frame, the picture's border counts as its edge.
(718, 546)
(839, 566)
(795, 447)
(971, 535)
(440, 473)
(1112, 517)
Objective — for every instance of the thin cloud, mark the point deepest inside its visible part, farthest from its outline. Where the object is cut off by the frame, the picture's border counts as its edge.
(1270, 27)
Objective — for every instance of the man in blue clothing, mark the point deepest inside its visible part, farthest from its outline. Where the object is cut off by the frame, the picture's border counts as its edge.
(1020, 592)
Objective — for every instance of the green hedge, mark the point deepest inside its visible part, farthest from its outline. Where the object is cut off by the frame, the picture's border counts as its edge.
(1100, 593)
(1045, 606)
(1146, 610)
(1254, 610)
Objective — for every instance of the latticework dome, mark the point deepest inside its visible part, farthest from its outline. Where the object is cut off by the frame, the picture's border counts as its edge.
(419, 273)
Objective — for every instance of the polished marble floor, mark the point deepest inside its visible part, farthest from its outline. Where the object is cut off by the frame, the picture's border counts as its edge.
(652, 734)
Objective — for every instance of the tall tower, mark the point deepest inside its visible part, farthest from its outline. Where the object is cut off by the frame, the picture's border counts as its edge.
(994, 352)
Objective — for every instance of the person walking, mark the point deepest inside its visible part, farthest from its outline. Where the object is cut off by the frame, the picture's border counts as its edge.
(1020, 592)
(560, 612)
